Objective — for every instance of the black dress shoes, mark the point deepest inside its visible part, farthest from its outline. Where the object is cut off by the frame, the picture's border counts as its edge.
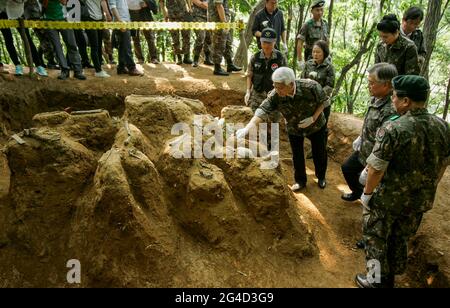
(350, 197)
(322, 183)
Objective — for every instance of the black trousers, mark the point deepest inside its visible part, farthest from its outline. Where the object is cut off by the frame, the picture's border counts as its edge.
(319, 152)
(351, 169)
(125, 53)
(95, 38)
(37, 59)
(82, 46)
(9, 42)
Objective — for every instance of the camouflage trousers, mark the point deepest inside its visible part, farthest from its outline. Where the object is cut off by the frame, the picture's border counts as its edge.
(107, 46)
(256, 98)
(150, 38)
(185, 35)
(386, 237)
(202, 39)
(222, 46)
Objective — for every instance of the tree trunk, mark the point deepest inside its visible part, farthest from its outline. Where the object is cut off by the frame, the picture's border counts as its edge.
(430, 27)
(447, 100)
(26, 44)
(289, 24)
(330, 16)
(240, 58)
(299, 27)
(356, 60)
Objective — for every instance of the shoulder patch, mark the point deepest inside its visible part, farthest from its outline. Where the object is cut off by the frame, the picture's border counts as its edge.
(394, 117)
(381, 132)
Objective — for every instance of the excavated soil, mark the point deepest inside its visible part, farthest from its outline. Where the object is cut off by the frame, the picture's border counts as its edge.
(104, 188)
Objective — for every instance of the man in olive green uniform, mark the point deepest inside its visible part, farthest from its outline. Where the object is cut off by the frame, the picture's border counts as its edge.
(410, 156)
(412, 18)
(179, 10)
(219, 11)
(301, 102)
(203, 38)
(380, 110)
(312, 31)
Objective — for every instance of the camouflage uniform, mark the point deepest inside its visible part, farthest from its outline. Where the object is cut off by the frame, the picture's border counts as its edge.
(412, 150)
(308, 97)
(178, 12)
(221, 38)
(402, 54)
(325, 76)
(203, 38)
(260, 70)
(417, 38)
(380, 110)
(310, 33)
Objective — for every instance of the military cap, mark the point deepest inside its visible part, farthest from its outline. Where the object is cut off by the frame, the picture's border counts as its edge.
(268, 35)
(412, 86)
(317, 3)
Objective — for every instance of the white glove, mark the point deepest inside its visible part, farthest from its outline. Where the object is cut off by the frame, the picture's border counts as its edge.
(363, 177)
(241, 133)
(284, 48)
(301, 65)
(306, 122)
(365, 199)
(247, 97)
(313, 75)
(357, 144)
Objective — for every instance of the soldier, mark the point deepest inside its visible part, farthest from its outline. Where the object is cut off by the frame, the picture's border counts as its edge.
(412, 18)
(301, 102)
(396, 49)
(179, 10)
(320, 69)
(271, 17)
(219, 12)
(408, 160)
(313, 30)
(143, 10)
(380, 110)
(203, 38)
(260, 69)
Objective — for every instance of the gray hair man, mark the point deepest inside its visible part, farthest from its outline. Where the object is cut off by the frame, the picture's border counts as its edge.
(301, 102)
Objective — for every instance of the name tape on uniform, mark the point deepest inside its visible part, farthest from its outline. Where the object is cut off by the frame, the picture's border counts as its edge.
(139, 25)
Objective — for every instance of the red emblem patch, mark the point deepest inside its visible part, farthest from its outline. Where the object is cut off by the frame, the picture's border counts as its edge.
(274, 66)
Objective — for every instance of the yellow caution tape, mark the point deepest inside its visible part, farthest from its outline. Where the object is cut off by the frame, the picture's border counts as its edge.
(141, 25)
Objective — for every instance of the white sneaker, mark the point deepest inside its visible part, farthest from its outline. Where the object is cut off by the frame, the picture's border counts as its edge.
(102, 74)
(297, 187)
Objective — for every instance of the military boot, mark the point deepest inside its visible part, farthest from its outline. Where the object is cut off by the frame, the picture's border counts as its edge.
(363, 282)
(179, 59)
(196, 58)
(233, 68)
(208, 60)
(187, 59)
(219, 71)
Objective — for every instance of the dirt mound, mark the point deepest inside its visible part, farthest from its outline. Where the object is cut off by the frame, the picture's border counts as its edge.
(133, 222)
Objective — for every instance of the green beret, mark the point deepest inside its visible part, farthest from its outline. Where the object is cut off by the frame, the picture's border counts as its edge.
(317, 3)
(412, 86)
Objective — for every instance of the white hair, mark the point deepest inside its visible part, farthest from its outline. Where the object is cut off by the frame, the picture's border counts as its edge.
(283, 75)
